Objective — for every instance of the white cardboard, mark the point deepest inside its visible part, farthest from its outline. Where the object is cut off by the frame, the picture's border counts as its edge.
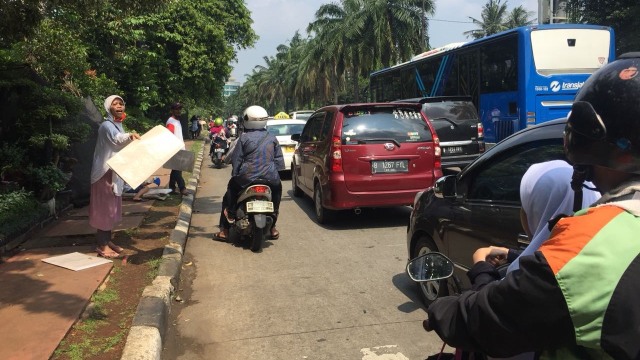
(141, 158)
(76, 261)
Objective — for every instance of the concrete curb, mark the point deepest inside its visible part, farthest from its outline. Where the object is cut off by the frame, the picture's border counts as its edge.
(146, 335)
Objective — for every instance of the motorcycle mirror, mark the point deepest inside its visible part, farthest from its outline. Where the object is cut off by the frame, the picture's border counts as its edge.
(430, 267)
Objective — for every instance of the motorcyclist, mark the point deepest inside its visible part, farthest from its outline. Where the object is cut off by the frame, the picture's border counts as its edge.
(218, 135)
(256, 155)
(576, 296)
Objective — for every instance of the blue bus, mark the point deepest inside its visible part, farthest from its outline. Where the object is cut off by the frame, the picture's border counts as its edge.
(516, 78)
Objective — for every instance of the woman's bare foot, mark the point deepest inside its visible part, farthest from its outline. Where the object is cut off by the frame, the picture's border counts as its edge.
(115, 247)
(106, 252)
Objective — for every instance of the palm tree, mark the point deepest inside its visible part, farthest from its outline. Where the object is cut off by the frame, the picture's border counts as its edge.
(519, 16)
(493, 14)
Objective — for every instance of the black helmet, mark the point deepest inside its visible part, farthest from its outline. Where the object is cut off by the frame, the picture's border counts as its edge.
(603, 127)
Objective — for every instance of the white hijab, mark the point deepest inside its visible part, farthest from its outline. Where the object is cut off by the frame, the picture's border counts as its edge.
(545, 192)
(107, 105)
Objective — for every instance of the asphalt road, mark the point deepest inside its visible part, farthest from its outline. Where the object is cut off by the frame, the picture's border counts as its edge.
(318, 292)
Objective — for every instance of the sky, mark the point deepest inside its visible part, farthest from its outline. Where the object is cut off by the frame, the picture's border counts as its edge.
(275, 21)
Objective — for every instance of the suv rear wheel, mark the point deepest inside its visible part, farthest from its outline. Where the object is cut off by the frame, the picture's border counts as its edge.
(430, 290)
(323, 215)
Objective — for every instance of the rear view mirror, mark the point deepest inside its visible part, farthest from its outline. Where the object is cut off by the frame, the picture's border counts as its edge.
(295, 137)
(445, 187)
(430, 267)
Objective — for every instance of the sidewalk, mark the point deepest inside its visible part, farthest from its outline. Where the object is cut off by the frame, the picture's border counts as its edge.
(40, 302)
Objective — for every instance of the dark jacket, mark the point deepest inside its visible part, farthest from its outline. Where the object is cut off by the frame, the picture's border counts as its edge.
(250, 162)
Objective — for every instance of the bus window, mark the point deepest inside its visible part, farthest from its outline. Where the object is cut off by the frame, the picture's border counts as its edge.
(500, 66)
(570, 51)
(428, 70)
(468, 83)
(409, 87)
(451, 79)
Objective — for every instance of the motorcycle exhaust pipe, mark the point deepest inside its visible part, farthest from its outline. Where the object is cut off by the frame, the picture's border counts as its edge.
(357, 211)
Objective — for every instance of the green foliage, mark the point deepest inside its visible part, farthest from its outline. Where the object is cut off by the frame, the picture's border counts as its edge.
(58, 141)
(47, 177)
(18, 211)
(622, 15)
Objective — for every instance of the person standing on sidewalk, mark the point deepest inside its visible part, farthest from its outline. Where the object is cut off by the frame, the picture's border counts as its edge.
(174, 125)
(105, 205)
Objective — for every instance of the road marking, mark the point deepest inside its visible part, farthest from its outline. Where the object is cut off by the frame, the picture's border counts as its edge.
(382, 353)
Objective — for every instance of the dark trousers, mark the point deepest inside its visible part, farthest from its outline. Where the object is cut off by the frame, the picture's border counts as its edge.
(231, 197)
(176, 178)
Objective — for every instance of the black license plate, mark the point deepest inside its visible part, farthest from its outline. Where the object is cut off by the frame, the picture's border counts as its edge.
(452, 150)
(389, 166)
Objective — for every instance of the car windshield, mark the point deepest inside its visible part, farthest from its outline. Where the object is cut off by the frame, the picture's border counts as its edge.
(453, 111)
(285, 129)
(363, 126)
(303, 116)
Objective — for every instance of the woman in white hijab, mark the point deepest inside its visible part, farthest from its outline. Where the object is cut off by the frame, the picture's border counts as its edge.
(105, 206)
(545, 193)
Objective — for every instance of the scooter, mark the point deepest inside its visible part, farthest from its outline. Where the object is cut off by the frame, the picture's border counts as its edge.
(435, 266)
(218, 149)
(254, 215)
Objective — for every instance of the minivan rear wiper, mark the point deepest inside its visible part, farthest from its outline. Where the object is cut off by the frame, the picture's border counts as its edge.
(443, 118)
(364, 141)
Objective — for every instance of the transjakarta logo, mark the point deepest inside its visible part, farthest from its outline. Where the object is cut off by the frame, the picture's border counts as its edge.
(556, 86)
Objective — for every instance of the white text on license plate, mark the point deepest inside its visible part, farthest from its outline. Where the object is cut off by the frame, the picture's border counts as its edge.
(219, 150)
(452, 149)
(259, 206)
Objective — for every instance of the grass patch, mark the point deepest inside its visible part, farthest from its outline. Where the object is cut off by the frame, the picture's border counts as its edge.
(154, 267)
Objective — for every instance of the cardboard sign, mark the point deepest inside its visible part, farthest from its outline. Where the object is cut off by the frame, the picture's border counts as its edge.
(141, 158)
(182, 161)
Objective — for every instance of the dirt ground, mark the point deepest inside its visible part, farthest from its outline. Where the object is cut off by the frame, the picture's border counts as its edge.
(102, 332)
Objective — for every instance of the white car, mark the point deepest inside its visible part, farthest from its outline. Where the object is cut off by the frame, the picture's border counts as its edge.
(301, 114)
(283, 129)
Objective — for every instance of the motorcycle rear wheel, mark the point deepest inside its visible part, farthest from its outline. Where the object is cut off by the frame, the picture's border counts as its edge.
(257, 239)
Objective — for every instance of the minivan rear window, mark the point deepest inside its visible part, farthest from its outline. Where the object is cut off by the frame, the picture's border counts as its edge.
(453, 110)
(384, 124)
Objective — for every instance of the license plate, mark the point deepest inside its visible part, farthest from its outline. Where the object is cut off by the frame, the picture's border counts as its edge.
(259, 206)
(219, 150)
(452, 149)
(389, 166)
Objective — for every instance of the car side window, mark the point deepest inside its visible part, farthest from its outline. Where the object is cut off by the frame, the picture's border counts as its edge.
(313, 128)
(500, 179)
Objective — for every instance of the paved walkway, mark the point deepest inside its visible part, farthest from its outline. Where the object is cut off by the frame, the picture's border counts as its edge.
(39, 302)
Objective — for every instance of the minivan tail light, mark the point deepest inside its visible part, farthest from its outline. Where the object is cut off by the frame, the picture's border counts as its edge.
(336, 154)
(437, 152)
(480, 131)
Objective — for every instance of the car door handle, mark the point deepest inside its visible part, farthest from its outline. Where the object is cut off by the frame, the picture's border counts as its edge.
(523, 240)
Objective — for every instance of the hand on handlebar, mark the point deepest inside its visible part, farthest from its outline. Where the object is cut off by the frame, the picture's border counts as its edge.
(493, 254)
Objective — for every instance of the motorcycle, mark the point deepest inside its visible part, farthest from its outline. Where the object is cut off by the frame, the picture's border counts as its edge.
(219, 147)
(435, 266)
(254, 215)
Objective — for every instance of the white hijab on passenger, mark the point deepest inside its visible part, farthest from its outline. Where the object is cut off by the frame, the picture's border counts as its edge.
(545, 192)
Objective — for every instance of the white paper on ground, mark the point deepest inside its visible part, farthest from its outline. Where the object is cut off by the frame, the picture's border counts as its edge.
(76, 261)
(141, 158)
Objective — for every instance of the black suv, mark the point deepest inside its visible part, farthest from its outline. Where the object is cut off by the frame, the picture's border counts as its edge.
(456, 122)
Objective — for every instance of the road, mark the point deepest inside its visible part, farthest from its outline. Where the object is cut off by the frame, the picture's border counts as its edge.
(318, 292)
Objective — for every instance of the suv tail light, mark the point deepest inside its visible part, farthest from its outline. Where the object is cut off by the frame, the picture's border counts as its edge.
(480, 131)
(336, 154)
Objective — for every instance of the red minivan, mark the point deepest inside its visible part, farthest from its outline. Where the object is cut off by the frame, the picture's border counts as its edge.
(365, 155)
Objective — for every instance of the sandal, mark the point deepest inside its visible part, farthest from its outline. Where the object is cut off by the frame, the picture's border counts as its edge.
(138, 200)
(275, 234)
(106, 255)
(220, 235)
(115, 247)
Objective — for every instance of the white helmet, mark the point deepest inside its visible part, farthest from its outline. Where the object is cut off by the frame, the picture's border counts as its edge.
(255, 117)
